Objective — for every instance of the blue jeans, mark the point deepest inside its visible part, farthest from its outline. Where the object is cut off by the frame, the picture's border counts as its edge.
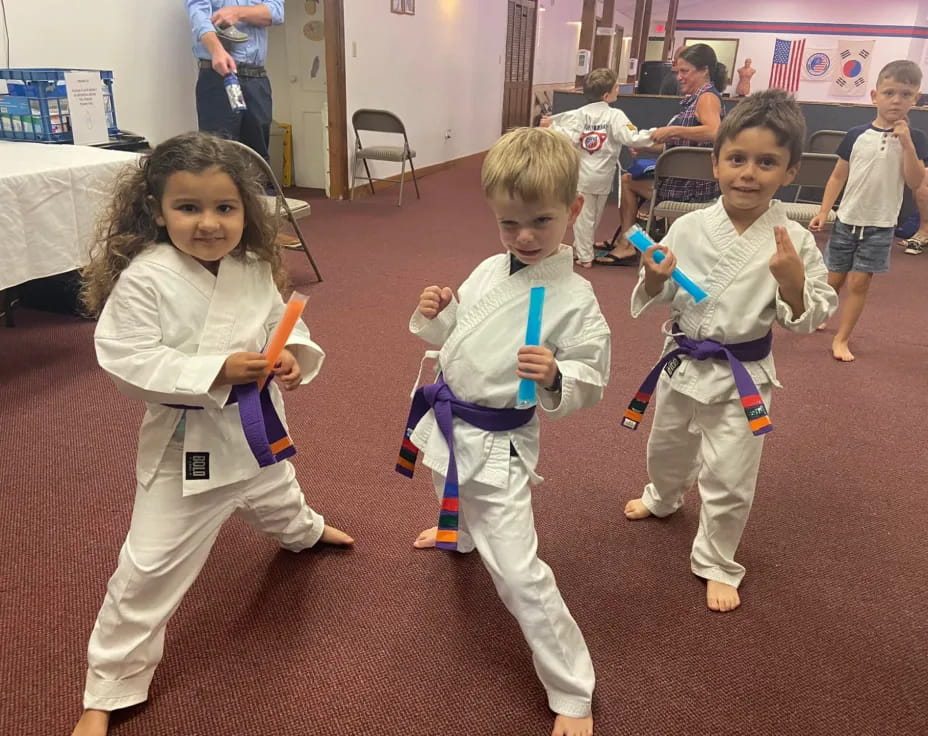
(214, 114)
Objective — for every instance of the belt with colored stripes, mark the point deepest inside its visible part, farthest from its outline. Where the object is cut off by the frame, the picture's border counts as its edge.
(265, 433)
(439, 398)
(735, 353)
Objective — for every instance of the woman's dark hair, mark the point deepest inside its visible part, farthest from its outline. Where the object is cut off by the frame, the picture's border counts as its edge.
(702, 56)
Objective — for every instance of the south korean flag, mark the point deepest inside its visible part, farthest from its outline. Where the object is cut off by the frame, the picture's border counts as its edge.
(852, 73)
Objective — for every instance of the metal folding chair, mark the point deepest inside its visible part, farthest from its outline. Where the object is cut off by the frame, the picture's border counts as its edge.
(814, 171)
(680, 162)
(381, 121)
(821, 141)
(294, 209)
(825, 141)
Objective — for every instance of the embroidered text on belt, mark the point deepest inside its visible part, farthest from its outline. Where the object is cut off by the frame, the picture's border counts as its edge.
(752, 350)
(438, 397)
(265, 433)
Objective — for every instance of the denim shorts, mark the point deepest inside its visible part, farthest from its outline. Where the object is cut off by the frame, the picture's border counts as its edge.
(858, 248)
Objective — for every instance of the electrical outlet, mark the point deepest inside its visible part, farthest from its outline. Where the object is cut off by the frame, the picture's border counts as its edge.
(448, 134)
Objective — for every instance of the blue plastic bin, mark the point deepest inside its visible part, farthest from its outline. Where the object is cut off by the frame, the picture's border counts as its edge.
(34, 105)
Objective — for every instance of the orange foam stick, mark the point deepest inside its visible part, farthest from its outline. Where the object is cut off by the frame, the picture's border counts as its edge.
(295, 307)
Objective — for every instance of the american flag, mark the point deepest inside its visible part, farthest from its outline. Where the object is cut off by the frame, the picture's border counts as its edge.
(787, 64)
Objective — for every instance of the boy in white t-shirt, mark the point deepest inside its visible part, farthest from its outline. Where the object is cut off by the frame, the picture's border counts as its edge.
(875, 161)
(599, 131)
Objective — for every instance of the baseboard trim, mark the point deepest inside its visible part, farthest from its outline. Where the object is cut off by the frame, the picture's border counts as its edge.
(363, 190)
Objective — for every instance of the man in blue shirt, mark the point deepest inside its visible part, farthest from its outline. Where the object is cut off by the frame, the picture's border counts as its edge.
(218, 58)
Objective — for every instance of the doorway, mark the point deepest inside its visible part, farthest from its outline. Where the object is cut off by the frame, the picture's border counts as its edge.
(306, 63)
(520, 58)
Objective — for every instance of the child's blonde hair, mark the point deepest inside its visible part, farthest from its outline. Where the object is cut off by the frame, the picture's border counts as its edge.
(901, 71)
(128, 226)
(534, 164)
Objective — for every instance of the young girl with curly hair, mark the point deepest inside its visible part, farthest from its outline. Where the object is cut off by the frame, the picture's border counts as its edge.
(186, 285)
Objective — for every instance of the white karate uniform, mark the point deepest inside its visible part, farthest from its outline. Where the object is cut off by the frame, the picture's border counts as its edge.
(599, 131)
(480, 337)
(163, 336)
(700, 431)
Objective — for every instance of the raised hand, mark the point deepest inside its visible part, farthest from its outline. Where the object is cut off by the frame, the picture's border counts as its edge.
(433, 300)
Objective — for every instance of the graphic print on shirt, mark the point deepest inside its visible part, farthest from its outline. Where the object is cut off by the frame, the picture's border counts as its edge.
(592, 141)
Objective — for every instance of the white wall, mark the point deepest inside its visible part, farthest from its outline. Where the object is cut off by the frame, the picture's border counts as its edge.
(759, 46)
(438, 69)
(557, 42)
(147, 46)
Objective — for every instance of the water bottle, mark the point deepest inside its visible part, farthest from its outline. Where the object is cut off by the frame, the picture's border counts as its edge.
(234, 92)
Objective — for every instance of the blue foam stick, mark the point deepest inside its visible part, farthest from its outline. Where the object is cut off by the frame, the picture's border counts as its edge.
(536, 301)
(642, 241)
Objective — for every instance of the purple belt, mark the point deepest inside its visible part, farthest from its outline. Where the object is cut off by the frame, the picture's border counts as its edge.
(439, 398)
(751, 401)
(263, 429)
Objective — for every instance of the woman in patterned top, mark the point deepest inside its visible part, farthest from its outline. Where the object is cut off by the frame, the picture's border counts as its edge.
(701, 78)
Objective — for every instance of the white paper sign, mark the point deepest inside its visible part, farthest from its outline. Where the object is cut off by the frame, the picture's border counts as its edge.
(88, 111)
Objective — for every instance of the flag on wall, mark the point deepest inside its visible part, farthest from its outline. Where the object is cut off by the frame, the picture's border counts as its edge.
(818, 64)
(787, 64)
(852, 73)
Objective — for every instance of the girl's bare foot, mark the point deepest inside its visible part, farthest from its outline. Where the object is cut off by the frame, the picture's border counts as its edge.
(721, 597)
(331, 535)
(566, 726)
(823, 326)
(92, 723)
(585, 264)
(427, 539)
(635, 509)
(841, 351)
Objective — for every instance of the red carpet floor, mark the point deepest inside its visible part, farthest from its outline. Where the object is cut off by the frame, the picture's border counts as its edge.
(382, 640)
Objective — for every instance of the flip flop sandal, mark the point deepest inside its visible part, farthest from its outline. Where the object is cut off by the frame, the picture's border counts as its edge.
(914, 246)
(611, 260)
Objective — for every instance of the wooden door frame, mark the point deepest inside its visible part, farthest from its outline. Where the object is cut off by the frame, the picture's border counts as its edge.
(337, 95)
(534, 5)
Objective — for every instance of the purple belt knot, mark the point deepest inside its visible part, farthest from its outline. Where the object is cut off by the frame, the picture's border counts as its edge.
(267, 438)
(439, 398)
(749, 351)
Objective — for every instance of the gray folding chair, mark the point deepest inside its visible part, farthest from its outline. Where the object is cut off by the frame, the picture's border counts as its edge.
(814, 171)
(680, 162)
(293, 209)
(825, 141)
(821, 141)
(381, 121)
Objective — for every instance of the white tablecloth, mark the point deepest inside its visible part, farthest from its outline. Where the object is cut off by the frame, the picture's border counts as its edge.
(50, 198)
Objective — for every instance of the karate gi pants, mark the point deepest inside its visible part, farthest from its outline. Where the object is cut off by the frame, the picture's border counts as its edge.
(586, 223)
(712, 444)
(500, 525)
(169, 539)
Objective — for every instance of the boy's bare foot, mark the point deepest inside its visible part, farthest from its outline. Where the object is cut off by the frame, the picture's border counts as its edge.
(566, 726)
(823, 326)
(721, 597)
(635, 509)
(841, 351)
(427, 539)
(585, 264)
(92, 723)
(331, 535)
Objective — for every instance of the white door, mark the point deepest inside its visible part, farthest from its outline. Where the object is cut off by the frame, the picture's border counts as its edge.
(305, 31)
